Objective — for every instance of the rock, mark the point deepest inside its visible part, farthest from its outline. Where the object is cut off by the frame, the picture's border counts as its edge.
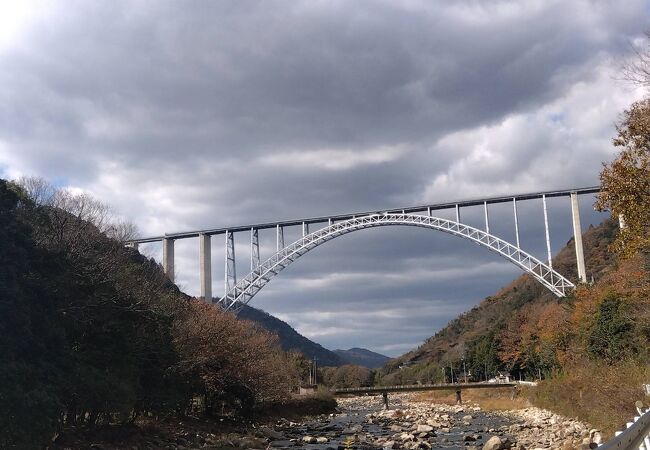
(309, 439)
(271, 433)
(321, 440)
(424, 428)
(469, 438)
(396, 428)
(494, 443)
(467, 418)
(595, 436)
(281, 444)
(389, 445)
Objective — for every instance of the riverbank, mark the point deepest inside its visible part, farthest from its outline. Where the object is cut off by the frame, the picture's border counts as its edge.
(411, 423)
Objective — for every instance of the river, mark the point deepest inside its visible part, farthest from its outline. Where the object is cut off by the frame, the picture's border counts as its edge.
(410, 424)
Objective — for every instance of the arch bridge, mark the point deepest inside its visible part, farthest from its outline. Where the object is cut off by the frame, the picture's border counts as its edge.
(238, 293)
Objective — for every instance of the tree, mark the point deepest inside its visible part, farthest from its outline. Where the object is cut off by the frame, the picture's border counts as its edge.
(625, 182)
(610, 337)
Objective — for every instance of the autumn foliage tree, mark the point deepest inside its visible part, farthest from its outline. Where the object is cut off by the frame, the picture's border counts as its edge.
(625, 182)
(231, 362)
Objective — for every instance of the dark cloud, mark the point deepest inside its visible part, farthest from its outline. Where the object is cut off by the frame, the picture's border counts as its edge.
(206, 114)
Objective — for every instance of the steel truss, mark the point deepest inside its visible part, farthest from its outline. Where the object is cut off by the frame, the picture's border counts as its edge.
(242, 292)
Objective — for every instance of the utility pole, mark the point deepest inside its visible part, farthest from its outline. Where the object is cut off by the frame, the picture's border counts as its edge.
(464, 371)
(315, 373)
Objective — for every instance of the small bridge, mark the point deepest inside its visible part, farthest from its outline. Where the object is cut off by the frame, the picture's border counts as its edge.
(420, 387)
(456, 387)
(238, 293)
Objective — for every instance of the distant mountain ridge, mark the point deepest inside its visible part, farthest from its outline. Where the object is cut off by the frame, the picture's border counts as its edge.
(363, 357)
(290, 339)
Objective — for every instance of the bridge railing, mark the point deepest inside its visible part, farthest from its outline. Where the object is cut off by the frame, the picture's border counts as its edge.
(635, 436)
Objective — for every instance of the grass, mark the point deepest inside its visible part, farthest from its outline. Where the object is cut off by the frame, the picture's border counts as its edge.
(490, 399)
(600, 394)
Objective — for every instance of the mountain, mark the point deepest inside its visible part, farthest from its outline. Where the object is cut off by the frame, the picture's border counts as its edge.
(483, 327)
(290, 339)
(363, 357)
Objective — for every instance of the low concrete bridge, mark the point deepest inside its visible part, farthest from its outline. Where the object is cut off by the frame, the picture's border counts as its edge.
(456, 387)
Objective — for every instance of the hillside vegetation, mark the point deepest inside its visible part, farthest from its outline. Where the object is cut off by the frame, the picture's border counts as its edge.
(94, 333)
(290, 339)
(591, 349)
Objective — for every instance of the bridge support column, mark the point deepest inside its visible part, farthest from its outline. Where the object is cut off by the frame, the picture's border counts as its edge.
(514, 209)
(279, 241)
(548, 237)
(305, 229)
(577, 238)
(459, 399)
(205, 267)
(133, 245)
(384, 396)
(487, 218)
(168, 257)
(230, 275)
(457, 213)
(255, 249)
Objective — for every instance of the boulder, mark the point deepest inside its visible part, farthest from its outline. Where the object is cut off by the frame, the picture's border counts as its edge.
(494, 443)
(424, 428)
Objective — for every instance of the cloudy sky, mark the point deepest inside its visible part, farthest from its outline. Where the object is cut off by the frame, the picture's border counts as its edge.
(202, 114)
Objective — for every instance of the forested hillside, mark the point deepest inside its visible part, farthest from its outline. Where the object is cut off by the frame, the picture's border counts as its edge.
(363, 357)
(290, 339)
(476, 333)
(591, 349)
(94, 333)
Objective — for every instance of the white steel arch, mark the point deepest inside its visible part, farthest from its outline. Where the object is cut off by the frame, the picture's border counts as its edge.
(245, 290)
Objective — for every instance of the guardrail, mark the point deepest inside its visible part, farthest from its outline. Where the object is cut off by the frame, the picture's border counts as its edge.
(635, 436)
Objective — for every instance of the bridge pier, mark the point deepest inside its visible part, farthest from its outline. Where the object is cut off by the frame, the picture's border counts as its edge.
(459, 399)
(205, 267)
(384, 396)
(279, 237)
(255, 249)
(168, 258)
(577, 238)
(548, 237)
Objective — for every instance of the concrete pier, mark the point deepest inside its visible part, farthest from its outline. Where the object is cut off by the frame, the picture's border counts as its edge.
(577, 238)
(205, 267)
(168, 257)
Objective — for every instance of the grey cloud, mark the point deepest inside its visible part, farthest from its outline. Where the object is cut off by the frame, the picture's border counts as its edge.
(178, 114)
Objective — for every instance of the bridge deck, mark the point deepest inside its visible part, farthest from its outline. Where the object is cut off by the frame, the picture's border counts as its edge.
(340, 217)
(421, 387)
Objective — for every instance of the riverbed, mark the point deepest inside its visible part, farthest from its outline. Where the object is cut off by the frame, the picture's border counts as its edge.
(410, 424)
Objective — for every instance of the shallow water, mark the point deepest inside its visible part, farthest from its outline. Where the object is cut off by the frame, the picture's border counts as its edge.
(353, 429)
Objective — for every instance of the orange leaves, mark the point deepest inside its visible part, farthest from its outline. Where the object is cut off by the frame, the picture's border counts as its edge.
(625, 182)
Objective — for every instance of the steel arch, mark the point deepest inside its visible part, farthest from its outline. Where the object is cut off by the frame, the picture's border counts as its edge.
(246, 288)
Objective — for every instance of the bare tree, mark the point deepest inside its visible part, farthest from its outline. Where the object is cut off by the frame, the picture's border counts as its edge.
(78, 209)
(123, 231)
(38, 189)
(638, 71)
